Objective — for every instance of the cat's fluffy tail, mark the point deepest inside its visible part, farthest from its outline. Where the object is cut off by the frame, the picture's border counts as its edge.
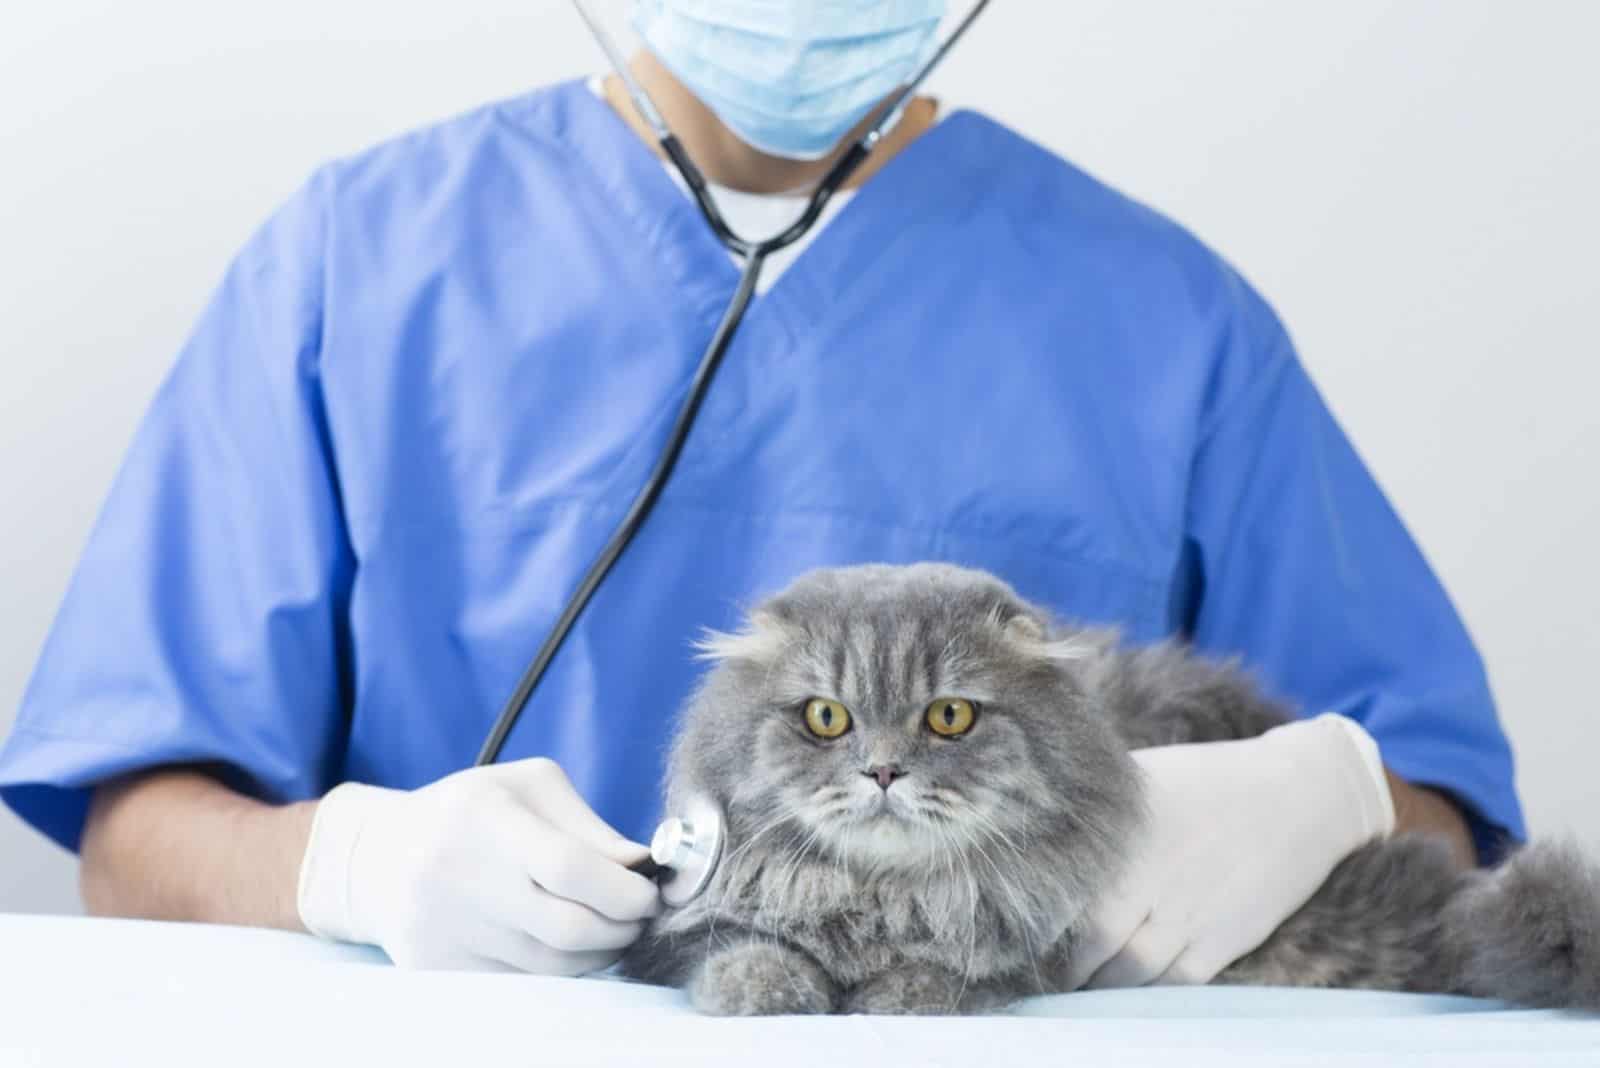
(1529, 932)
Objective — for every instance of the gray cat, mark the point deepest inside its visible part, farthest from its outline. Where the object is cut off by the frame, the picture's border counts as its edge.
(1019, 798)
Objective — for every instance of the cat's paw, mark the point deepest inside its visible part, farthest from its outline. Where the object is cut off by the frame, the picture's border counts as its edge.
(761, 979)
(912, 990)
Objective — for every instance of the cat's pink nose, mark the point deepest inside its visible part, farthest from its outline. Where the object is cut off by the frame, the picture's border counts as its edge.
(884, 773)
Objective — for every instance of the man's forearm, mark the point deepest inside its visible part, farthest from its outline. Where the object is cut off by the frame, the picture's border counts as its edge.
(1419, 809)
(178, 845)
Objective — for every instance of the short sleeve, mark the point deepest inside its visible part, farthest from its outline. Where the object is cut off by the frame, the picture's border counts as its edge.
(1306, 573)
(203, 624)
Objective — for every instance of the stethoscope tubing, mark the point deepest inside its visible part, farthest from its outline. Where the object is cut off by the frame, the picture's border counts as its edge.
(754, 254)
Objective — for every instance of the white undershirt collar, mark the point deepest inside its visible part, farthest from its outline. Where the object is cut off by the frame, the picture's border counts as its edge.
(759, 215)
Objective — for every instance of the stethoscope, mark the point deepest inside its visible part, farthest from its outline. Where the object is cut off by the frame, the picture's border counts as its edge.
(686, 847)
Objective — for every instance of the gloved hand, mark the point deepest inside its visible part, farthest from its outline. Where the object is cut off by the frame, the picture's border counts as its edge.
(1240, 835)
(495, 868)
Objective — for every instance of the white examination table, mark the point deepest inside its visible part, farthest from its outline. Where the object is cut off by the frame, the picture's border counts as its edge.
(104, 993)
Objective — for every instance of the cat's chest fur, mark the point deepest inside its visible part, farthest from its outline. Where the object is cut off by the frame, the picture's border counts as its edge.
(955, 913)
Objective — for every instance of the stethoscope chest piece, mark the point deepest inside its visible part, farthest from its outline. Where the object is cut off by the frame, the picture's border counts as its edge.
(687, 847)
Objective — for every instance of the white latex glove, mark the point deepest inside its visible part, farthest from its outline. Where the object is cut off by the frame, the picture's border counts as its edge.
(495, 868)
(1240, 835)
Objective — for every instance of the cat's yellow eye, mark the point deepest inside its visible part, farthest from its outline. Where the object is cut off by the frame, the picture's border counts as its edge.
(826, 719)
(950, 717)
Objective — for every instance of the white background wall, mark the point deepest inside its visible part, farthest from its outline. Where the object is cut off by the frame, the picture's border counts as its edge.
(1414, 184)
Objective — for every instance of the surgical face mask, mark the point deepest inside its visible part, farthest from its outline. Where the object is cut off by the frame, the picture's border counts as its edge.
(791, 77)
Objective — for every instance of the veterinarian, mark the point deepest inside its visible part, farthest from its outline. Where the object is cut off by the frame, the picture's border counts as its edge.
(429, 386)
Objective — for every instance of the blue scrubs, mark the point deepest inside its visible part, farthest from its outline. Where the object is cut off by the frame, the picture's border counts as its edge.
(429, 386)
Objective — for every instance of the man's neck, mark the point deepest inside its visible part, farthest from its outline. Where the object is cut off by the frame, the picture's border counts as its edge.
(730, 162)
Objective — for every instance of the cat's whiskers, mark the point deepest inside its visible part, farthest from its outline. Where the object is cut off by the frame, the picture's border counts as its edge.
(994, 831)
(991, 832)
(756, 928)
(730, 882)
(772, 936)
(780, 883)
(841, 850)
(1021, 914)
(811, 841)
(1041, 904)
(945, 841)
(973, 904)
(732, 865)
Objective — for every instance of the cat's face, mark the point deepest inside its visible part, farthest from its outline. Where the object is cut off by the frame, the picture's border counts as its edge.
(897, 716)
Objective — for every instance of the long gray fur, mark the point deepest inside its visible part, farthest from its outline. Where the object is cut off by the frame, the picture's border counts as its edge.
(971, 895)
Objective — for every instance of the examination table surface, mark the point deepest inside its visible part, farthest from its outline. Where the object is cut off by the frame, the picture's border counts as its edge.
(109, 992)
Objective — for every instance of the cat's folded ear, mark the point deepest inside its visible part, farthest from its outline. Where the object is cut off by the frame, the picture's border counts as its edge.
(759, 641)
(1032, 636)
